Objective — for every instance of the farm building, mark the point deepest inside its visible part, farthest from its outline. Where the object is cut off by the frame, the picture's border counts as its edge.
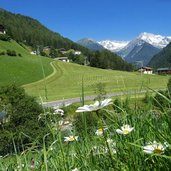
(164, 70)
(64, 59)
(146, 70)
(2, 29)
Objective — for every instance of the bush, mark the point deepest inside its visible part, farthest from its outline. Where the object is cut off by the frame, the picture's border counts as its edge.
(21, 117)
(11, 53)
(2, 53)
(20, 55)
(4, 37)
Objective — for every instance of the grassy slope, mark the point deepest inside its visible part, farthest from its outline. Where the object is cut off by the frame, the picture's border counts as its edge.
(67, 81)
(21, 70)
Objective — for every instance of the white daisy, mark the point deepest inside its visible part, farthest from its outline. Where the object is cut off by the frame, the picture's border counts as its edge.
(100, 131)
(94, 107)
(154, 147)
(71, 138)
(59, 111)
(125, 129)
(76, 169)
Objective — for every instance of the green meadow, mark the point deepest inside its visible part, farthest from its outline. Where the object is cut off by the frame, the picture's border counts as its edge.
(21, 69)
(67, 79)
(54, 80)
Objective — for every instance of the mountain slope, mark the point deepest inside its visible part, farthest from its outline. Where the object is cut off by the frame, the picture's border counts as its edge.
(32, 32)
(162, 59)
(21, 69)
(90, 44)
(142, 52)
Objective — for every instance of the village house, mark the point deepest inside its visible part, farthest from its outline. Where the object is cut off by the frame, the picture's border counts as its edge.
(164, 70)
(77, 53)
(2, 29)
(146, 70)
(33, 53)
(64, 59)
(63, 51)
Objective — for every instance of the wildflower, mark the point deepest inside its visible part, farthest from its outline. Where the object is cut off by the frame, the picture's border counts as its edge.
(20, 167)
(112, 145)
(75, 169)
(94, 107)
(60, 122)
(100, 131)
(125, 129)
(97, 150)
(154, 147)
(59, 111)
(32, 164)
(71, 138)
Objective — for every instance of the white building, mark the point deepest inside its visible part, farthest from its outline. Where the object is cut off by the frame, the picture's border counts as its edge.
(146, 70)
(77, 53)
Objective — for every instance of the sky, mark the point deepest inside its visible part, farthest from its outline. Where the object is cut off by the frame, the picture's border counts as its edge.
(97, 19)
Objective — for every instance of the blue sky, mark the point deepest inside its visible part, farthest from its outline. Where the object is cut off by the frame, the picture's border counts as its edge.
(98, 19)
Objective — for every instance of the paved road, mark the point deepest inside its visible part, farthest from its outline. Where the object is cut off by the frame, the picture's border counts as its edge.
(66, 102)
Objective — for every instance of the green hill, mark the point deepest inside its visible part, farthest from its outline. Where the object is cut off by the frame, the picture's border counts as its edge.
(66, 81)
(32, 32)
(21, 69)
(162, 59)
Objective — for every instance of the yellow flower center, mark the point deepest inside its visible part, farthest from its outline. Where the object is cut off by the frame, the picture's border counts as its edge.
(100, 130)
(71, 138)
(125, 130)
(158, 150)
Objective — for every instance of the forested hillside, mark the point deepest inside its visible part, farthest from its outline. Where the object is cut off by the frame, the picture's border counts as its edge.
(108, 60)
(162, 59)
(32, 32)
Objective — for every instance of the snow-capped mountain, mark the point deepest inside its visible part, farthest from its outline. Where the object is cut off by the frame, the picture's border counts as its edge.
(142, 51)
(143, 47)
(113, 45)
(155, 40)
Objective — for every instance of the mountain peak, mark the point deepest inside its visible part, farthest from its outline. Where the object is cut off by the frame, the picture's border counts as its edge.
(113, 45)
(155, 40)
(90, 44)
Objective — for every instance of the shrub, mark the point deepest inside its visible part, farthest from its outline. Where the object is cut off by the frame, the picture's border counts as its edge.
(2, 53)
(4, 37)
(21, 119)
(11, 53)
(20, 55)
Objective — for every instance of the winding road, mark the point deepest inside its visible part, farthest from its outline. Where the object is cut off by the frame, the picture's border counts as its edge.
(67, 102)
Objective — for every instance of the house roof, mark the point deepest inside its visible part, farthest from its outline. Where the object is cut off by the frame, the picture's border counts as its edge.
(146, 67)
(163, 69)
(62, 58)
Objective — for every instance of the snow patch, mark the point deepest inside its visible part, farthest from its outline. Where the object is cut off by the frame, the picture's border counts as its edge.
(113, 45)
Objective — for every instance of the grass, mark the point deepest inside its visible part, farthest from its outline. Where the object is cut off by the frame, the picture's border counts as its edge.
(21, 70)
(93, 152)
(66, 81)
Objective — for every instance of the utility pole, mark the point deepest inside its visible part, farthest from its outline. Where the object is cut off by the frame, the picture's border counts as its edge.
(141, 64)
